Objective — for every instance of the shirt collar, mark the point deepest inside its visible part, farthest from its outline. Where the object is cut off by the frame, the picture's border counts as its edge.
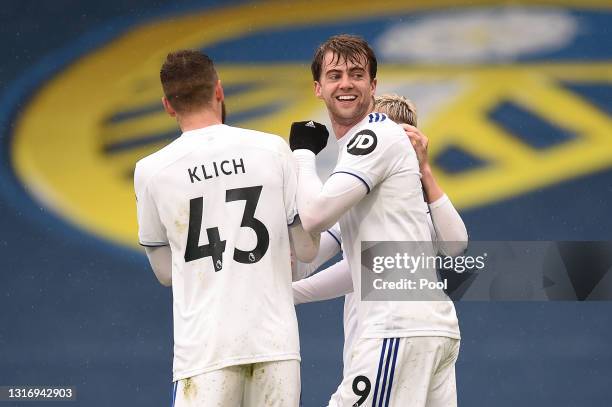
(347, 136)
(203, 130)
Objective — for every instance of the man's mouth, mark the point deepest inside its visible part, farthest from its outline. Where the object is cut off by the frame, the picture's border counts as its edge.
(346, 98)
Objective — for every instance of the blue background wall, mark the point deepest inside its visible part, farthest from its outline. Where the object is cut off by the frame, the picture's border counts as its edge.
(77, 310)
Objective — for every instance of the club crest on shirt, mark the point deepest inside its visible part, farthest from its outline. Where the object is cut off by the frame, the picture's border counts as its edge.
(362, 143)
(507, 114)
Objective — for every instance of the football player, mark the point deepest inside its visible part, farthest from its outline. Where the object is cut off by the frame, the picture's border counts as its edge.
(446, 227)
(404, 350)
(213, 213)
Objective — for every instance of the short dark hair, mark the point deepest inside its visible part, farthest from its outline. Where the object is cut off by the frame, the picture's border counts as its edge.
(344, 47)
(188, 78)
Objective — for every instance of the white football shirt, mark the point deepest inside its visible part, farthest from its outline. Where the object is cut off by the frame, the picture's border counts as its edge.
(350, 301)
(222, 198)
(349, 320)
(378, 152)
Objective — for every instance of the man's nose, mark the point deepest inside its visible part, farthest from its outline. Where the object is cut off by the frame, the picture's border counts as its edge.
(346, 82)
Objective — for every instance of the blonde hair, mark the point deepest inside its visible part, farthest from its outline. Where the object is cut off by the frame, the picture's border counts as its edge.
(398, 108)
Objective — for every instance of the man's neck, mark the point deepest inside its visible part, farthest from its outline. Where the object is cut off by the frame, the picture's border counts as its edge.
(340, 129)
(199, 120)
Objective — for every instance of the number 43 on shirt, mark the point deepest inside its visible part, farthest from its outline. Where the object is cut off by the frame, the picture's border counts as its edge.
(216, 246)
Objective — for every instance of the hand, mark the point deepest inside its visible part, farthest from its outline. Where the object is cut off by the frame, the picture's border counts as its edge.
(419, 142)
(308, 135)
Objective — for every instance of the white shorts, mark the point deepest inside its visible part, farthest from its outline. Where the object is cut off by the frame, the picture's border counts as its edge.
(274, 384)
(406, 372)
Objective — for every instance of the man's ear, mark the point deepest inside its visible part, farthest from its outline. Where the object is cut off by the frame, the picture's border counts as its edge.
(219, 94)
(373, 85)
(317, 89)
(168, 108)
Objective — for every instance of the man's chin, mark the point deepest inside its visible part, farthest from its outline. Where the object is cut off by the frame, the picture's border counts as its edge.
(353, 116)
(346, 115)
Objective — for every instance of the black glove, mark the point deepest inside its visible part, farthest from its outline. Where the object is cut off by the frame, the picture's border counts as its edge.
(308, 135)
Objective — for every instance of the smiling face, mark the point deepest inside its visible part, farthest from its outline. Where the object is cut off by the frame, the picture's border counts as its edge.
(347, 90)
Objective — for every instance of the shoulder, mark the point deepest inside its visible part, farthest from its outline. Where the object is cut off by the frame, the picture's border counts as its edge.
(261, 137)
(262, 140)
(376, 117)
(374, 134)
(148, 166)
(383, 125)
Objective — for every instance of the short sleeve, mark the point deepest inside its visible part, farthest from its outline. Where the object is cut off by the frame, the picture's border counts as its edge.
(151, 231)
